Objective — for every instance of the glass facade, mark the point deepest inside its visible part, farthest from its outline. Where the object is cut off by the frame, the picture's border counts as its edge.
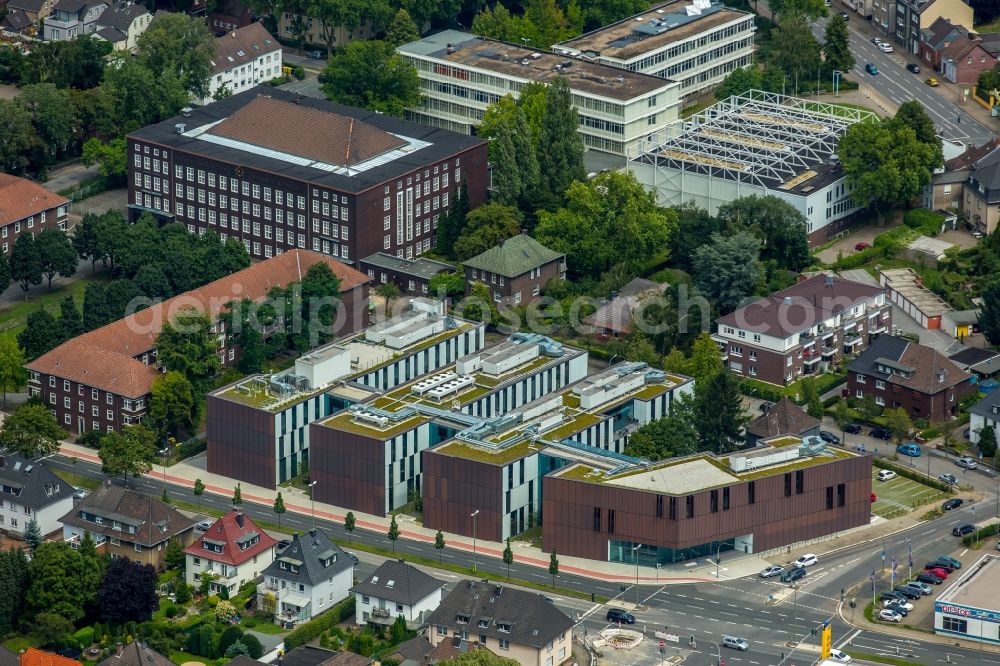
(650, 556)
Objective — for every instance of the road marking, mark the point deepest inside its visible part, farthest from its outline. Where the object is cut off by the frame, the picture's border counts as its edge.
(927, 532)
(962, 554)
(848, 639)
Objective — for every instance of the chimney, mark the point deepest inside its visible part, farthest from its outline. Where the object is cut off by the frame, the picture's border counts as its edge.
(180, 127)
(787, 300)
(239, 518)
(119, 649)
(829, 280)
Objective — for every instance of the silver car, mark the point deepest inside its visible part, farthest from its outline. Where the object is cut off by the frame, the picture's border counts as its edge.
(967, 463)
(922, 588)
(773, 570)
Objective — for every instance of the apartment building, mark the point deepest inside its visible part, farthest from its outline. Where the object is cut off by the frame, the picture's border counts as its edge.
(122, 23)
(516, 269)
(102, 380)
(72, 18)
(31, 491)
(905, 20)
(27, 207)
(233, 550)
(348, 184)
(244, 58)
(696, 43)
(802, 330)
(462, 74)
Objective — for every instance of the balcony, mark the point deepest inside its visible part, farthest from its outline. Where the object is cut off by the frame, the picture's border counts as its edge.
(876, 326)
(810, 359)
(829, 351)
(852, 340)
(807, 335)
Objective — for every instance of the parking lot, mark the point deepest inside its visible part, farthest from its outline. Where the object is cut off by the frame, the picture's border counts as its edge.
(898, 496)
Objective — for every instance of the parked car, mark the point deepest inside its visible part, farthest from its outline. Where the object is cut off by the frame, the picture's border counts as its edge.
(922, 588)
(876, 41)
(871, 69)
(911, 449)
(955, 564)
(891, 597)
(887, 615)
(953, 503)
(932, 81)
(886, 475)
(948, 478)
(793, 574)
(80, 493)
(967, 433)
(736, 643)
(841, 656)
(907, 592)
(315, 55)
(351, 556)
(939, 572)
(942, 564)
(829, 437)
(913, 68)
(899, 608)
(806, 560)
(885, 47)
(772, 570)
(845, 16)
(620, 616)
(962, 530)
(880, 432)
(854, 428)
(966, 462)
(925, 577)
(203, 525)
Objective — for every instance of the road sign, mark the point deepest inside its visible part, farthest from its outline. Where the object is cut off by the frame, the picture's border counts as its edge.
(663, 644)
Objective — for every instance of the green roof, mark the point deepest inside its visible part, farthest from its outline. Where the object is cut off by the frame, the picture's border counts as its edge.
(515, 256)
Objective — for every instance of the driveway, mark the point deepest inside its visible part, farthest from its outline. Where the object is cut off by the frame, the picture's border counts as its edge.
(866, 234)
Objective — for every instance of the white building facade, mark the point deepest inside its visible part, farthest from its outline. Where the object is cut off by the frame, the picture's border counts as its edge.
(244, 58)
(308, 577)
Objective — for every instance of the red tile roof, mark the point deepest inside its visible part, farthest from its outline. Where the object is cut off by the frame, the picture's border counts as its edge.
(106, 358)
(227, 530)
(35, 657)
(21, 198)
(241, 46)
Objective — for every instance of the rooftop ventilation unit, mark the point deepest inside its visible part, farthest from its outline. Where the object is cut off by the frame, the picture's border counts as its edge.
(180, 128)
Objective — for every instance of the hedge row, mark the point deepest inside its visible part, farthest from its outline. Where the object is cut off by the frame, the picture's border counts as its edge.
(982, 533)
(324, 622)
(912, 474)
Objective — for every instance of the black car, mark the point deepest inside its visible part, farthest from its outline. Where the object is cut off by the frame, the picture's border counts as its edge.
(953, 503)
(892, 596)
(907, 592)
(929, 578)
(620, 616)
(879, 432)
(913, 68)
(829, 437)
(940, 564)
(845, 16)
(852, 428)
(793, 574)
(962, 530)
(899, 608)
(351, 556)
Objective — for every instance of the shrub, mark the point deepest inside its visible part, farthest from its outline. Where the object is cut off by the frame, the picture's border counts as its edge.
(913, 475)
(172, 611)
(191, 447)
(254, 648)
(927, 222)
(859, 258)
(230, 635)
(213, 601)
(182, 593)
(979, 535)
(249, 622)
(84, 637)
(310, 630)
(299, 72)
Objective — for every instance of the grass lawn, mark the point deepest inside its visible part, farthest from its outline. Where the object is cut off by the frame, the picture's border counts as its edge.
(900, 495)
(164, 604)
(77, 480)
(19, 643)
(13, 317)
(184, 657)
(266, 628)
(993, 26)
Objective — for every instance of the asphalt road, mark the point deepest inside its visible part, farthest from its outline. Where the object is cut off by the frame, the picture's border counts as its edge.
(779, 635)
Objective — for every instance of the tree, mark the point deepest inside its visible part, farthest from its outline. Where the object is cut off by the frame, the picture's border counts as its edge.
(988, 441)
(485, 227)
(18, 138)
(12, 372)
(779, 226)
(32, 431)
(448, 284)
(842, 417)
(13, 586)
(32, 534)
(187, 346)
(607, 220)
(898, 421)
(198, 490)
(389, 292)
(127, 592)
(59, 581)
(26, 263)
(109, 236)
(134, 96)
(836, 46)
(279, 508)
(560, 147)
(498, 23)
(51, 116)
(178, 47)
(676, 434)
(349, 14)
(739, 81)
(349, 524)
(726, 269)
(795, 49)
(479, 305)
(439, 544)
(451, 223)
(912, 114)
(513, 158)
(56, 254)
(508, 557)
(885, 164)
(173, 557)
(805, 9)
(371, 75)
(553, 567)
(705, 360)
(131, 451)
(39, 335)
(810, 394)
(237, 495)
(109, 157)
(51, 629)
(989, 312)
(70, 322)
(402, 29)
(393, 533)
(718, 413)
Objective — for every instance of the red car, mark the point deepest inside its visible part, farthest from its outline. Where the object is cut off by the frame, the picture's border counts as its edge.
(861, 246)
(940, 573)
(874, 498)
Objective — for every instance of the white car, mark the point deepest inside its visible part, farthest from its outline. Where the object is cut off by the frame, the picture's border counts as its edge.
(889, 616)
(905, 605)
(772, 570)
(203, 525)
(806, 560)
(885, 47)
(842, 657)
(967, 463)
(886, 475)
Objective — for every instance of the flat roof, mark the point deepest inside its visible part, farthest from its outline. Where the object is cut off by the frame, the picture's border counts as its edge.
(977, 586)
(904, 282)
(766, 139)
(684, 478)
(518, 62)
(622, 41)
(420, 267)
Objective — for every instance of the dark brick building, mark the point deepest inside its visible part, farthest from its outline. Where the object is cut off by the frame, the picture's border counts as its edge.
(412, 276)
(516, 269)
(279, 171)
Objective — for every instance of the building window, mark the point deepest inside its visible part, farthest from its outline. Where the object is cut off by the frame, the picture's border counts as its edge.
(841, 494)
(788, 484)
(955, 624)
(713, 501)
(672, 508)
(829, 497)
(689, 506)
(799, 482)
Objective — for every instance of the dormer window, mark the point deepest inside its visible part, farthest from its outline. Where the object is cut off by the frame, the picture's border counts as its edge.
(282, 566)
(115, 525)
(503, 628)
(462, 619)
(484, 624)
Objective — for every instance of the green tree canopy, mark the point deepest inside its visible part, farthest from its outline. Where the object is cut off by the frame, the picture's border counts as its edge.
(56, 253)
(14, 583)
(796, 51)
(779, 226)
(718, 412)
(39, 335)
(187, 345)
(676, 434)
(180, 47)
(173, 406)
(559, 146)
(486, 226)
(12, 372)
(989, 313)
(370, 74)
(402, 29)
(26, 262)
(60, 581)
(131, 451)
(726, 269)
(836, 46)
(512, 154)
(32, 431)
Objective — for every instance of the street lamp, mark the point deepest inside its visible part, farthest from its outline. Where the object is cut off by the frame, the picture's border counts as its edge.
(473, 516)
(635, 554)
(312, 501)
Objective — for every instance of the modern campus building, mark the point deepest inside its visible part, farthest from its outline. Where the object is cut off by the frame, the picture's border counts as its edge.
(759, 144)
(696, 43)
(244, 58)
(968, 608)
(805, 329)
(346, 182)
(462, 74)
(102, 380)
(28, 208)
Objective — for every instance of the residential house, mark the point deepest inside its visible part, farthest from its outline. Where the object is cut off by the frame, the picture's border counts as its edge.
(308, 655)
(135, 654)
(33, 9)
(965, 59)
(945, 191)
(512, 623)
(244, 57)
(308, 577)
(782, 419)
(26, 208)
(910, 17)
(71, 18)
(229, 15)
(412, 652)
(984, 413)
(934, 39)
(396, 589)
(802, 330)
(16, 23)
(981, 200)
(516, 269)
(35, 657)
(899, 373)
(234, 550)
(614, 319)
(29, 490)
(122, 23)
(412, 276)
(981, 362)
(126, 523)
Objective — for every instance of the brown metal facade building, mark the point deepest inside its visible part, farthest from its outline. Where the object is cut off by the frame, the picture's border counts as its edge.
(453, 488)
